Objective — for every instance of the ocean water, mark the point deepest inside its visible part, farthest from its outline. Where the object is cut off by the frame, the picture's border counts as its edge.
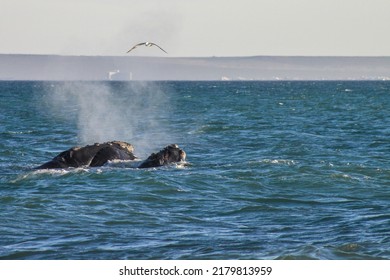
(276, 170)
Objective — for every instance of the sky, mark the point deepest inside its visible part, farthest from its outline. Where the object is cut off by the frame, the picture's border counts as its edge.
(196, 28)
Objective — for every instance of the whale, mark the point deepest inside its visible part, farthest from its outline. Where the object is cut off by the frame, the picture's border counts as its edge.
(99, 154)
(170, 154)
(94, 155)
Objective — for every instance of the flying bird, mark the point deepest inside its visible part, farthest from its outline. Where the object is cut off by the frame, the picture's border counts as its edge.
(146, 44)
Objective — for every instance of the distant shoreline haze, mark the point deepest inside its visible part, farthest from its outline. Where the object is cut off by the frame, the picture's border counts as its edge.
(124, 68)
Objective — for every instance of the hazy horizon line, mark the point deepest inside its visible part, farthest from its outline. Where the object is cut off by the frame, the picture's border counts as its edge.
(214, 56)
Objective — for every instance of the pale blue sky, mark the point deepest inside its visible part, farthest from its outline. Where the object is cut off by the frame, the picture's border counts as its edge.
(196, 27)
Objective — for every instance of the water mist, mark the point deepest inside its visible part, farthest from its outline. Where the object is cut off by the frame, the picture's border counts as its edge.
(135, 112)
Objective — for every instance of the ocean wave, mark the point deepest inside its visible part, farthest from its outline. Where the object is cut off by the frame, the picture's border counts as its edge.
(279, 161)
(263, 181)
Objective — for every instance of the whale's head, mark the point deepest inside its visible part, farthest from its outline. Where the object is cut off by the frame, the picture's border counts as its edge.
(174, 154)
(170, 154)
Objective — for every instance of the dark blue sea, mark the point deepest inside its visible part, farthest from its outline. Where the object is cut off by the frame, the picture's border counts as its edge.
(276, 170)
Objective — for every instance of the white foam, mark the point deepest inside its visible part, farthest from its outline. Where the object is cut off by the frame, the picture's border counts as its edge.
(279, 161)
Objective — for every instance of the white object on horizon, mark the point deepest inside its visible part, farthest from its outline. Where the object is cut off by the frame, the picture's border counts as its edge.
(146, 44)
(112, 73)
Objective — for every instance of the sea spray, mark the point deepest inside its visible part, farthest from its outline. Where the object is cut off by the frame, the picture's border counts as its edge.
(135, 112)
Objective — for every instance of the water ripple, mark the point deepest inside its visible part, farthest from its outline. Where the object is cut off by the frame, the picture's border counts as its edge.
(287, 170)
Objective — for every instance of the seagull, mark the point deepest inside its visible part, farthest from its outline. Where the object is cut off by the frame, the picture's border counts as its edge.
(146, 44)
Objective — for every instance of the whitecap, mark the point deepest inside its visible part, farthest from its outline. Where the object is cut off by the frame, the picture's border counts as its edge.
(181, 165)
(279, 161)
(346, 176)
(34, 173)
(20, 132)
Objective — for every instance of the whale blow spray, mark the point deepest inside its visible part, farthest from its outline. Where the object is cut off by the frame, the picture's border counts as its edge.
(135, 112)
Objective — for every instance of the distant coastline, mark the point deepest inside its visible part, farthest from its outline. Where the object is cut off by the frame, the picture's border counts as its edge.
(101, 68)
